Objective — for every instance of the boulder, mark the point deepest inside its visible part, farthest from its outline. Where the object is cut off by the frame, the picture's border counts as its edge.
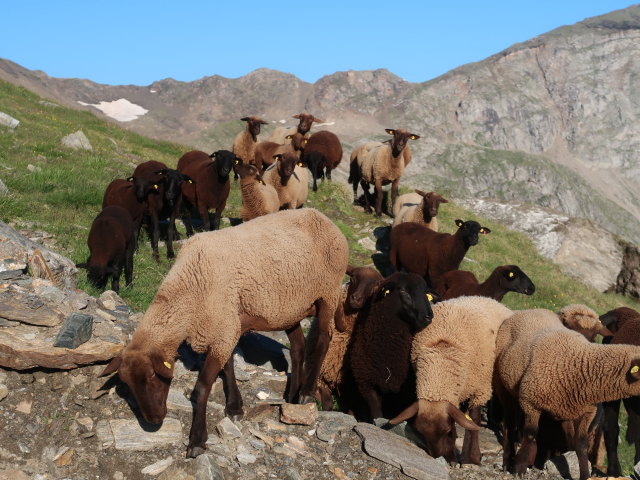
(77, 140)
(8, 121)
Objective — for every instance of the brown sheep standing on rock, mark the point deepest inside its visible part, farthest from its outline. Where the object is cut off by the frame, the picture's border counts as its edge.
(213, 294)
(323, 153)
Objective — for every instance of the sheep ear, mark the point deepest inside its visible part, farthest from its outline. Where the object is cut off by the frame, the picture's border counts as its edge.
(245, 119)
(413, 136)
(317, 120)
(82, 265)
(161, 366)
(433, 296)
(390, 131)
(113, 366)
(509, 274)
(130, 179)
(161, 172)
(297, 116)
(609, 319)
(288, 137)
(443, 200)
(421, 193)
(459, 223)
(262, 122)
(277, 156)
(634, 371)
(461, 419)
(409, 412)
(213, 155)
(485, 230)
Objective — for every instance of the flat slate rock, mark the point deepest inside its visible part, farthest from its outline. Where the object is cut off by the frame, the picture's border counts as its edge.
(29, 310)
(130, 435)
(75, 330)
(395, 450)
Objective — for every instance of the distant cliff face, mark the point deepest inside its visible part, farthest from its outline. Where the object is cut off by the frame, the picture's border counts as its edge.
(551, 121)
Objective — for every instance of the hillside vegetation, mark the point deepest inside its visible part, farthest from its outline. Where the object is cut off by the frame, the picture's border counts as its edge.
(63, 194)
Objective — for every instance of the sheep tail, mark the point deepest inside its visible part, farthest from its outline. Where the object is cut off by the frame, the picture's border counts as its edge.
(354, 177)
(409, 412)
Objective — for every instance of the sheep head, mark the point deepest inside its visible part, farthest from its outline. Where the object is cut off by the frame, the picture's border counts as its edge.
(513, 279)
(173, 180)
(469, 231)
(248, 171)
(431, 202)
(614, 319)
(298, 141)
(286, 165)
(306, 120)
(148, 376)
(583, 320)
(400, 139)
(253, 126)
(223, 162)
(362, 282)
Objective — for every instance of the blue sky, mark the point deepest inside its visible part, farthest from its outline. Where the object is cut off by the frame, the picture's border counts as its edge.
(139, 42)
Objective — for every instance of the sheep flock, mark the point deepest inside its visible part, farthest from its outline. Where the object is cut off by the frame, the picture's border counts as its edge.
(426, 343)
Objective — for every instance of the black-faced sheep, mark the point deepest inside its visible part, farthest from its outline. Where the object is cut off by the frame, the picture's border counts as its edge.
(380, 349)
(214, 293)
(624, 323)
(290, 177)
(542, 366)
(323, 153)
(419, 207)
(258, 198)
(210, 187)
(380, 164)
(503, 279)
(453, 359)
(430, 254)
(111, 245)
(244, 144)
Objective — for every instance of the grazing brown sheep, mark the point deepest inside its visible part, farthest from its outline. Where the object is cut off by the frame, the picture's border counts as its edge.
(111, 244)
(210, 187)
(430, 254)
(503, 279)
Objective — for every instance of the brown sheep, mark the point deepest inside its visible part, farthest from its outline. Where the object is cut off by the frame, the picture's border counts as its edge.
(209, 298)
(323, 153)
(281, 134)
(244, 144)
(258, 198)
(430, 254)
(419, 207)
(503, 279)
(210, 187)
(290, 177)
(122, 193)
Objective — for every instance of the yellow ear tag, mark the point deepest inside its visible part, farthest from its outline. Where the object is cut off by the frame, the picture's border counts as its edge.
(299, 164)
(190, 181)
(386, 292)
(237, 162)
(167, 364)
(635, 369)
(413, 137)
(466, 415)
(429, 297)
(155, 186)
(510, 274)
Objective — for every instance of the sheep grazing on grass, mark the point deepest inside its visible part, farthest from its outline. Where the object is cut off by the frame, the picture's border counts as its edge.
(323, 153)
(258, 198)
(380, 349)
(210, 187)
(542, 366)
(430, 254)
(281, 134)
(381, 164)
(244, 145)
(453, 359)
(212, 295)
(290, 177)
(111, 245)
(335, 375)
(419, 207)
(122, 193)
(503, 279)
(624, 323)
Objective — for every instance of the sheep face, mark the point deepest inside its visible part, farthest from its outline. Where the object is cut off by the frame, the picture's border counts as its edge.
(253, 126)
(515, 280)
(362, 282)
(470, 231)
(224, 161)
(98, 275)
(583, 320)
(405, 296)
(148, 377)
(614, 319)
(173, 182)
(286, 165)
(247, 170)
(431, 202)
(400, 139)
(145, 186)
(306, 120)
(298, 141)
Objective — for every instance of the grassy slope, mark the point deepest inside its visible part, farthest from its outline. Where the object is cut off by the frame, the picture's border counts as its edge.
(65, 195)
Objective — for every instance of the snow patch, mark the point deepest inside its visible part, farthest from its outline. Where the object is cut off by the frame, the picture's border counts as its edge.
(122, 109)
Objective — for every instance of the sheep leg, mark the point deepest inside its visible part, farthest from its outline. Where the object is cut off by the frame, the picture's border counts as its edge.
(233, 405)
(155, 235)
(314, 174)
(171, 229)
(324, 314)
(374, 402)
(471, 446)
(527, 453)
(580, 441)
(198, 434)
(128, 262)
(611, 432)
(328, 174)
(187, 221)
(296, 340)
(365, 188)
(218, 215)
(509, 421)
(379, 195)
(204, 215)
(632, 405)
(326, 398)
(394, 192)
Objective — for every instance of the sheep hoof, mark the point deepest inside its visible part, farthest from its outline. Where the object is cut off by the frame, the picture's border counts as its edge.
(193, 452)
(170, 255)
(306, 399)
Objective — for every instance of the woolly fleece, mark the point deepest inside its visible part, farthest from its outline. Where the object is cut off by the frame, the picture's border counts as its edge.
(257, 199)
(409, 208)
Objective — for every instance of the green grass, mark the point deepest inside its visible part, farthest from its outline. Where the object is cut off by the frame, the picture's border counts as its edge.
(64, 194)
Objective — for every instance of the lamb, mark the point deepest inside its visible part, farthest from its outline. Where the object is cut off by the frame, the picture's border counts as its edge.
(281, 134)
(503, 279)
(381, 164)
(211, 296)
(322, 152)
(430, 254)
(292, 192)
(210, 187)
(335, 374)
(244, 145)
(624, 323)
(542, 366)
(453, 360)
(258, 198)
(111, 245)
(398, 309)
(419, 207)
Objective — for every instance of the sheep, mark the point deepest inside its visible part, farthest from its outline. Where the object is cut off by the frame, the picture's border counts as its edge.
(453, 359)
(335, 374)
(419, 207)
(542, 366)
(430, 254)
(244, 144)
(381, 164)
(211, 185)
(281, 134)
(322, 152)
(258, 198)
(213, 294)
(122, 193)
(292, 192)
(111, 245)
(624, 323)
(265, 151)
(172, 202)
(503, 279)
(398, 309)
